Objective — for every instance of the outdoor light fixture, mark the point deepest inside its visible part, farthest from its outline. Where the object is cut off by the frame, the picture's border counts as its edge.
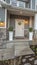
(2, 24)
(26, 22)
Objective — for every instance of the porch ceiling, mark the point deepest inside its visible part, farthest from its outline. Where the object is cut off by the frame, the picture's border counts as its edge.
(20, 12)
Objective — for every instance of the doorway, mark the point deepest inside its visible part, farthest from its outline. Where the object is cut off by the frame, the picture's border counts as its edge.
(19, 28)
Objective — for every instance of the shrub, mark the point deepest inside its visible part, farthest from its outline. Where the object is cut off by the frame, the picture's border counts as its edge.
(10, 28)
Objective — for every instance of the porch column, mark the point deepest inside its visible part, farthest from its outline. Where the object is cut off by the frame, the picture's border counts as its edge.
(35, 25)
(30, 22)
(5, 17)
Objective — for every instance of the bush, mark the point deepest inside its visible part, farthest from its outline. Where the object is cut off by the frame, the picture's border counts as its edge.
(30, 29)
(10, 28)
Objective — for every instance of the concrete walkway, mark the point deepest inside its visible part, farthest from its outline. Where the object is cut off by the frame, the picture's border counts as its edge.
(15, 48)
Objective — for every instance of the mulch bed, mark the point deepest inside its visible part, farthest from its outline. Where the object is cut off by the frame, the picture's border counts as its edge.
(26, 60)
(21, 60)
(34, 48)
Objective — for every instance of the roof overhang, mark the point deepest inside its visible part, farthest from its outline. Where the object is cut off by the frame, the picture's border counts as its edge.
(18, 10)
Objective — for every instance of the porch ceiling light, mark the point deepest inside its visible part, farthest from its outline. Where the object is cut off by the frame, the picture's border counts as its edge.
(1, 23)
(26, 22)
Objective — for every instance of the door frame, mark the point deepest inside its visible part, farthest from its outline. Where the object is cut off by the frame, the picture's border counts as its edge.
(15, 29)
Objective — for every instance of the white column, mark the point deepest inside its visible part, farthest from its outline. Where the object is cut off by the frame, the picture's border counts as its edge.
(5, 17)
(35, 26)
(35, 21)
(30, 22)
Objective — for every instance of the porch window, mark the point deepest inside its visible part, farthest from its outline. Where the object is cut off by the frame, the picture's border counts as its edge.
(26, 24)
(2, 17)
(27, 4)
(17, 3)
(22, 4)
(13, 2)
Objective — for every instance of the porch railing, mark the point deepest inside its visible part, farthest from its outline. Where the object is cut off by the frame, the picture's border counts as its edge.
(15, 3)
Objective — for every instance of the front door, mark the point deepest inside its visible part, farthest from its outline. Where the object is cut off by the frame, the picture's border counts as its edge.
(19, 28)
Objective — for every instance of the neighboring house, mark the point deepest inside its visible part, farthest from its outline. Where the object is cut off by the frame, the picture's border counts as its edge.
(14, 11)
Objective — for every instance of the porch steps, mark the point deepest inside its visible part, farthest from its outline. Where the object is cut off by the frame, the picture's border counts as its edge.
(19, 44)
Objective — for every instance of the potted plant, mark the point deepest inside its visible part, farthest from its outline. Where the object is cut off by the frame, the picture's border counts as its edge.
(10, 33)
(30, 33)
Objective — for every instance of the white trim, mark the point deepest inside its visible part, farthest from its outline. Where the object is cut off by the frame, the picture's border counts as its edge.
(2, 27)
(35, 21)
(10, 2)
(5, 17)
(31, 4)
(17, 3)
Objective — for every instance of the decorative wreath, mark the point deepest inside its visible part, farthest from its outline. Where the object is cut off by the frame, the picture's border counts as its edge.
(19, 23)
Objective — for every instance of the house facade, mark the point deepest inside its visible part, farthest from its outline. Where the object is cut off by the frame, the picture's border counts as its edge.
(15, 12)
(21, 15)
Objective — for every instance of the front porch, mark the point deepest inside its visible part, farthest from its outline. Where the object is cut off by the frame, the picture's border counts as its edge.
(27, 16)
(20, 32)
(12, 18)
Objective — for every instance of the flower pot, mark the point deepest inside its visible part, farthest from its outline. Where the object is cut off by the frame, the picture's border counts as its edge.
(30, 35)
(10, 35)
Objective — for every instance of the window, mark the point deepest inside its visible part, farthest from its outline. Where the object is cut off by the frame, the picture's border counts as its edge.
(2, 17)
(26, 24)
(13, 2)
(21, 4)
(27, 5)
